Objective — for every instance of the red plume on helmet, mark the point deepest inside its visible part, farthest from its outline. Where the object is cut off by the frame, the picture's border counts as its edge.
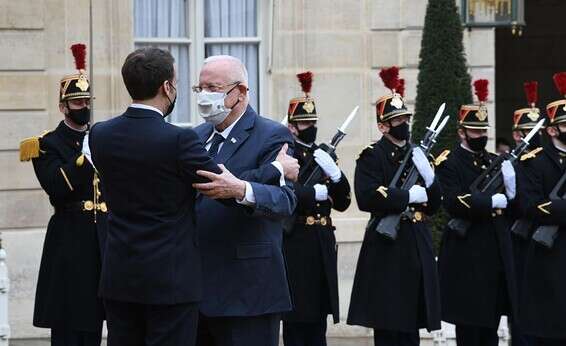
(401, 87)
(79, 52)
(481, 91)
(531, 92)
(390, 77)
(305, 78)
(560, 82)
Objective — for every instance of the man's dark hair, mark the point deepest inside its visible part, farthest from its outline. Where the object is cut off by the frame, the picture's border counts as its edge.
(145, 70)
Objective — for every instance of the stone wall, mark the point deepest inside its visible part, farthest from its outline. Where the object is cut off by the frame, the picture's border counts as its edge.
(35, 36)
(344, 42)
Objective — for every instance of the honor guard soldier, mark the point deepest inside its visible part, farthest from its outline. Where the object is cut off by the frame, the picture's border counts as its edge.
(524, 120)
(310, 245)
(66, 298)
(543, 302)
(395, 289)
(476, 266)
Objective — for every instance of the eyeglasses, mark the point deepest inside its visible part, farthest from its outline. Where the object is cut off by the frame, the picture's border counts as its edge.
(213, 88)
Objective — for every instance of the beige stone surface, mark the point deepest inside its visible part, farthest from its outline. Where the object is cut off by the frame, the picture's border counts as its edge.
(23, 90)
(21, 174)
(17, 125)
(22, 14)
(384, 48)
(384, 15)
(24, 208)
(22, 50)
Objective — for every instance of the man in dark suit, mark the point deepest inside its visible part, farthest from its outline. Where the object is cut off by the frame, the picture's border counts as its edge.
(151, 271)
(245, 285)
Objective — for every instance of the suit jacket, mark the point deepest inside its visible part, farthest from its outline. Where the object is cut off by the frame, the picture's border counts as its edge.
(149, 165)
(243, 265)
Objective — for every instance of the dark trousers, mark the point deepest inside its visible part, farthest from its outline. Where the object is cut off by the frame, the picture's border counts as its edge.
(476, 336)
(132, 324)
(547, 342)
(519, 339)
(394, 338)
(69, 337)
(304, 334)
(239, 331)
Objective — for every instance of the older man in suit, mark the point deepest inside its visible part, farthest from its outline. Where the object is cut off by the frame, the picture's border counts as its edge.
(245, 284)
(151, 272)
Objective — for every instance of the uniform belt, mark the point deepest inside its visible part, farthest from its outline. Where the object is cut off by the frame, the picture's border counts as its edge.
(83, 206)
(314, 220)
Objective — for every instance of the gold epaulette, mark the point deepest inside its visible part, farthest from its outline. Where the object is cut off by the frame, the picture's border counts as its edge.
(369, 146)
(531, 154)
(29, 147)
(442, 157)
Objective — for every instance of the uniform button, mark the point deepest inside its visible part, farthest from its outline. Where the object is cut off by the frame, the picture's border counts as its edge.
(318, 204)
(318, 215)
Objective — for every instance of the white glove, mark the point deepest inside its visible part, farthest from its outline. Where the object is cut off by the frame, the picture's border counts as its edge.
(325, 161)
(417, 194)
(509, 179)
(86, 150)
(320, 192)
(423, 166)
(498, 201)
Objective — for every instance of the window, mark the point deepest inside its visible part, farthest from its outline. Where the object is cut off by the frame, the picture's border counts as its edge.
(195, 29)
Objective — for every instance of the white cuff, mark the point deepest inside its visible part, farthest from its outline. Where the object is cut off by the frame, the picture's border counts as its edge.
(336, 178)
(320, 192)
(249, 197)
(279, 167)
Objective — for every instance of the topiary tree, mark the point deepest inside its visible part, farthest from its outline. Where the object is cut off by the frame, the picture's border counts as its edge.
(443, 77)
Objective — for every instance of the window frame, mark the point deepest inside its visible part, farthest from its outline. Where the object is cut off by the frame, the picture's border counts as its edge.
(196, 42)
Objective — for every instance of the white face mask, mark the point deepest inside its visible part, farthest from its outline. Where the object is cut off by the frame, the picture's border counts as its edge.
(211, 107)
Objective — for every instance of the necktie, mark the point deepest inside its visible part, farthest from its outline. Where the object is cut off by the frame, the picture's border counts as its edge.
(216, 141)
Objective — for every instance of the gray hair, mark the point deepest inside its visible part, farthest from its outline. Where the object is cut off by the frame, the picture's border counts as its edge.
(239, 70)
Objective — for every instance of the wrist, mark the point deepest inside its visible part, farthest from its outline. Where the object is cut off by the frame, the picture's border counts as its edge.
(241, 191)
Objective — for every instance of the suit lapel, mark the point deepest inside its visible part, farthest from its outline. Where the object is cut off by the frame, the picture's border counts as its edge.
(237, 136)
(204, 131)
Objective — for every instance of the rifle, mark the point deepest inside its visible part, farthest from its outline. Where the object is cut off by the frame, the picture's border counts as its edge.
(491, 180)
(388, 226)
(317, 174)
(546, 235)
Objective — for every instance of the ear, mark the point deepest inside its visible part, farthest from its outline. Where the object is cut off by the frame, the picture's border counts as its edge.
(62, 107)
(551, 131)
(462, 133)
(517, 136)
(383, 128)
(293, 129)
(243, 91)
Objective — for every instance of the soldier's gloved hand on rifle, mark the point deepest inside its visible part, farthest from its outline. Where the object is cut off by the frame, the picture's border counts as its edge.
(320, 192)
(498, 201)
(423, 166)
(509, 179)
(417, 194)
(326, 162)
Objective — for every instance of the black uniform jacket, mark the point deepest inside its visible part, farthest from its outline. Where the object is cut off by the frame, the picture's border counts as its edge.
(311, 249)
(69, 273)
(396, 282)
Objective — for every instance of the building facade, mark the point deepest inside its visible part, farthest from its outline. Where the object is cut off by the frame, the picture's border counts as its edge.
(343, 42)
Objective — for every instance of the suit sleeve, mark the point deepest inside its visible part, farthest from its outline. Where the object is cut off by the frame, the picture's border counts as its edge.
(192, 156)
(457, 199)
(340, 193)
(372, 192)
(537, 204)
(274, 200)
(59, 179)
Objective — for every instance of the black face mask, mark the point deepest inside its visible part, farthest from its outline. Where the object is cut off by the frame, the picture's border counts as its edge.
(477, 144)
(171, 103)
(561, 136)
(79, 116)
(400, 132)
(307, 135)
